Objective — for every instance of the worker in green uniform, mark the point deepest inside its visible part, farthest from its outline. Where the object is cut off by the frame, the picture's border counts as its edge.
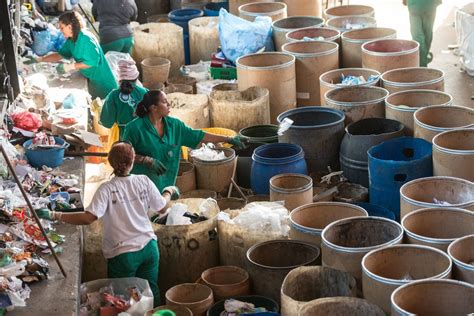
(422, 17)
(88, 57)
(157, 139)
(119, 106)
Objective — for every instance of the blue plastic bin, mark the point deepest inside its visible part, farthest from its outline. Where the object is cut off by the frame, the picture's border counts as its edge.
(50, 157)
(212, 8)
(181, 17)
(273, 159)
(394, 163)
(376, 210)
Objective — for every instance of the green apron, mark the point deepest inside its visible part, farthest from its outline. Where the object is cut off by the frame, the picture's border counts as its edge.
(120, 108)
(145, 140)
(87, 50)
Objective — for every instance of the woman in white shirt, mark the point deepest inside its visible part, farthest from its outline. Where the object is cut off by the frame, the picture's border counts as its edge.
(125, 204)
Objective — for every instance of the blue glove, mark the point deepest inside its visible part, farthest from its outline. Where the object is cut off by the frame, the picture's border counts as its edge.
(173, 191)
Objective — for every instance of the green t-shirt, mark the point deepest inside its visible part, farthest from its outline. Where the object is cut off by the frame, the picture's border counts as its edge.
(120, 108)
(87, 50)
(422, 6)
(145, 140)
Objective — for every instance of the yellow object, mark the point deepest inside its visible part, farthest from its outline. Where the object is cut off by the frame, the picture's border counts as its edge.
(213, 130)
(113, 136)
(96, 108)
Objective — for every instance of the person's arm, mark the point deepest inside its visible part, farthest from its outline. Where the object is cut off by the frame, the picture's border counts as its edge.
(213, 138)
(51, 58)
(77, 218)
(79, 66)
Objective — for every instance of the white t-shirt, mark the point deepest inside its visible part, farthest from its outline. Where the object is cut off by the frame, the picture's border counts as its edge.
(123, 203)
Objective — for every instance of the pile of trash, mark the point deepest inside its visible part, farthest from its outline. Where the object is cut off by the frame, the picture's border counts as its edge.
(270, 217)
(354, 81)
(234, 307)
(179, 214)
(114, 296)
(207, 152)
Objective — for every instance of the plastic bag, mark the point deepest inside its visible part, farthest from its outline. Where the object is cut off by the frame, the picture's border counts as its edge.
(27, 120)
(240, 37)
(48, 40)
(120, 286)
(465, 37)
(113, 58)
(175, 215)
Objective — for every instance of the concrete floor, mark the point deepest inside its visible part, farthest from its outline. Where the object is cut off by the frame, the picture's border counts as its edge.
(392, 13)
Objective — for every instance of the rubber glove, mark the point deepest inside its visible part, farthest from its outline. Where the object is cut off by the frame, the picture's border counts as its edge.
(173, 191)
(238, 142)
(155, 165)
(65, 68)
(44, 213)
(31, 60)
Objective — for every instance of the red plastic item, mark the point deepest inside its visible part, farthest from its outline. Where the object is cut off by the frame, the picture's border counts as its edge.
(27, 120)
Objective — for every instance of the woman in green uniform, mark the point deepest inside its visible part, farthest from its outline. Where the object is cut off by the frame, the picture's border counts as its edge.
(88, 57)
(157, 139)
(422, 17)
(119, 106)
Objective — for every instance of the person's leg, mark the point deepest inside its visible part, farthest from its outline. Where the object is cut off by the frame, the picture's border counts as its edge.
(148, 270)
(428, 23)
(122, 266)
(417, 33)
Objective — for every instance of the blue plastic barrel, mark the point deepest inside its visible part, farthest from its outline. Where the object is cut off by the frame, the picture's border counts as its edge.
(49, 157)
(213, 8)
(376, 210)
(273, 159)
(181, 17)
(394, 163)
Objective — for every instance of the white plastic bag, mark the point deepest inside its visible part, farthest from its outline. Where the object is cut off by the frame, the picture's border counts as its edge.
(120, 286)
(465, 36)
(240, 37)
(175, 215)
(113, 58)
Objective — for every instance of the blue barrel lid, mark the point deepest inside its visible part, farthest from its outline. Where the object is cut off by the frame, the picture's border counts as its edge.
(185, 14)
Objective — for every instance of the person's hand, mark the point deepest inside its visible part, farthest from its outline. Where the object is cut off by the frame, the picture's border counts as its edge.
(44, 213)
(31, 60)
(155, 165)
(238, 142)
(173, 191)
(63, 68)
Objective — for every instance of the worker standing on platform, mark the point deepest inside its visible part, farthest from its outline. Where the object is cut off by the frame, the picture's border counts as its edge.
(119, 106)
(422, 17)
(157, 139)
(125, 204)
(88, 57)
(115, 31)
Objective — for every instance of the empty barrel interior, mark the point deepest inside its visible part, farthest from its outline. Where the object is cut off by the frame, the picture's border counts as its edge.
(462, 140)
(369, 33)
(445, 116)
(413, 75)
(374, 126)
(282, 254)
(314, 32)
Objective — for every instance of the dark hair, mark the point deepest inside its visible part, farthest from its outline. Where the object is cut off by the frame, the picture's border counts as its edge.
(121, 158)
(75, 19)
(150, 98)
(126, 86)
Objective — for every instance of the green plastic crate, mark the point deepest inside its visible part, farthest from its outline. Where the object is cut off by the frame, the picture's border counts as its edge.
(224, 73)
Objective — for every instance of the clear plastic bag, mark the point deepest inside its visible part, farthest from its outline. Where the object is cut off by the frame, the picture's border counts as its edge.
(240, 37)
(465, 36)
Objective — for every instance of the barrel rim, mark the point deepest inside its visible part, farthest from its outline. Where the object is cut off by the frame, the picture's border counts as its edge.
(232, 267)
(391, 54)
(307, 244)
(344, 37)
(190, 284)
(399, 282)
(254, 68)
(413, 109)
(310, 55)
(287, 113)
(197, 13)
(261, 139)
(397, 162)
(432, 240)
(407, 84)
(318, 231)
(295, 17)
(257, 158)
(432, 205)
(456, 261)
(358, 103)
(361, 249)
(468, 128)
(327, 84)
(403, 312)
(304, 188)
(370, 13)
(437, 128)
(194, 22)
(269, 13)
(401, 126)
(328, 39)
(370, 19)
